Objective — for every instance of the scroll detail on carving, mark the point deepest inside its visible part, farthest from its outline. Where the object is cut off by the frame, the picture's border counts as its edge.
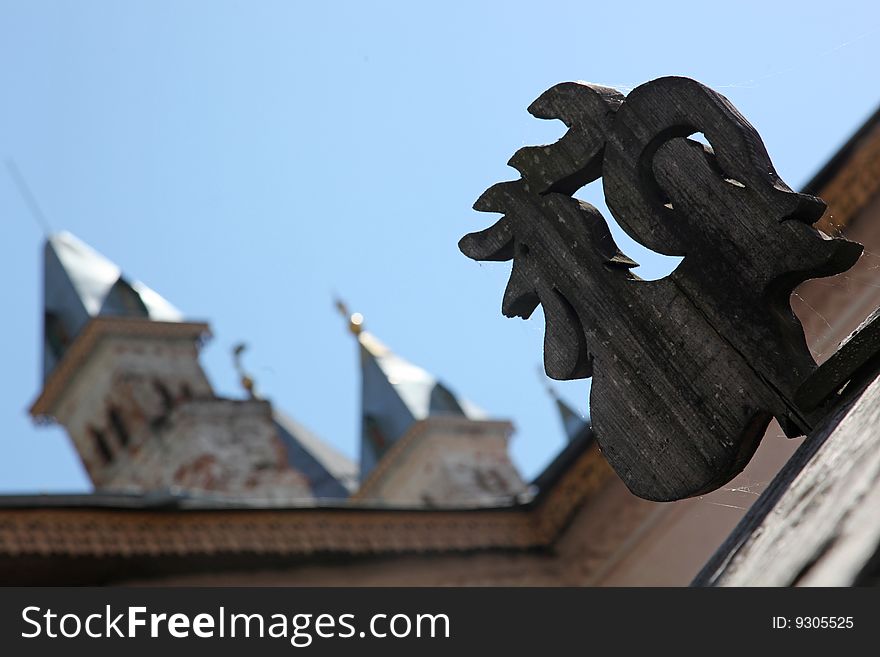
(687, 370)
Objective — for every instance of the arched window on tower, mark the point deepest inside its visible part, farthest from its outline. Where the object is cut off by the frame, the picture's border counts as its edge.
(118, 425)
(167, 400)
(123, 300)
(101, 444)
(165, 394)
(443, 401)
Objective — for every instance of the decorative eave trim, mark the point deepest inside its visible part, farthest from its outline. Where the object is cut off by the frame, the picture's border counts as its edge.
(91, 335)
(289, 533)
(853, 181)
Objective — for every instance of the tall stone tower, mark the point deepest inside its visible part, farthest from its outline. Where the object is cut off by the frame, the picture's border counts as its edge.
(420, 443)
(122, 375)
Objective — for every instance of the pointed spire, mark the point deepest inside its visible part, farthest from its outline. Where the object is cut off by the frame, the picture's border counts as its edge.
(80, 283)
(395, 394)
(573, 423)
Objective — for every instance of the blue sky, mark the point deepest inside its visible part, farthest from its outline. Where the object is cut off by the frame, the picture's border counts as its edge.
(248, 160)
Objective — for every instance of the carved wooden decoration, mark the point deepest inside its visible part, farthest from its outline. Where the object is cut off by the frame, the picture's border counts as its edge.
(688, 370)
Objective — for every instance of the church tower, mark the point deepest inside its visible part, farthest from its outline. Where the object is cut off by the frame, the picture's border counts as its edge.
(421, 445)
(122, 375)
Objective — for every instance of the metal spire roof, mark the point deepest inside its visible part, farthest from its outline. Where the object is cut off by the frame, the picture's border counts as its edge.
(395, 394)
(573, 422)
(80, 283)
(331, 475)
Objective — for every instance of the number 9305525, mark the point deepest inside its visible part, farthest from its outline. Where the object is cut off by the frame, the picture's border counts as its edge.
(823, 622)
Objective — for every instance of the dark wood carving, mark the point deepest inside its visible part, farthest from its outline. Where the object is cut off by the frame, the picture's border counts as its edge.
(688, 370)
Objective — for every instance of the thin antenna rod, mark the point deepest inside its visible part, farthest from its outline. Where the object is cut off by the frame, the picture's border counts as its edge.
(28, 197)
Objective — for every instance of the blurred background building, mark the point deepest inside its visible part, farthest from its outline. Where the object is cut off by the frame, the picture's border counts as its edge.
(122, 375)
(191, 487)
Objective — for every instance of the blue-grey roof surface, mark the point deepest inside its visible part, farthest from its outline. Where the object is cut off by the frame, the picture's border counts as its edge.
(572, 422)
(79, 283)
(331, 475)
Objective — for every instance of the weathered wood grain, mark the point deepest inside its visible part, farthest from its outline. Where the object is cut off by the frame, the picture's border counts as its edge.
(576, 159)
(818, 521)
(858, 351)
(688, 370)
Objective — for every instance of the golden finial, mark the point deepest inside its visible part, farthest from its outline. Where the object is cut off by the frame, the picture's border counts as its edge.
(355, 320)
(246, 380)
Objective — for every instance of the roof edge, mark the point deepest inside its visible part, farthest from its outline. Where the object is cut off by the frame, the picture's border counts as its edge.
(151, 527)
(832, 167)
(98, 328)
